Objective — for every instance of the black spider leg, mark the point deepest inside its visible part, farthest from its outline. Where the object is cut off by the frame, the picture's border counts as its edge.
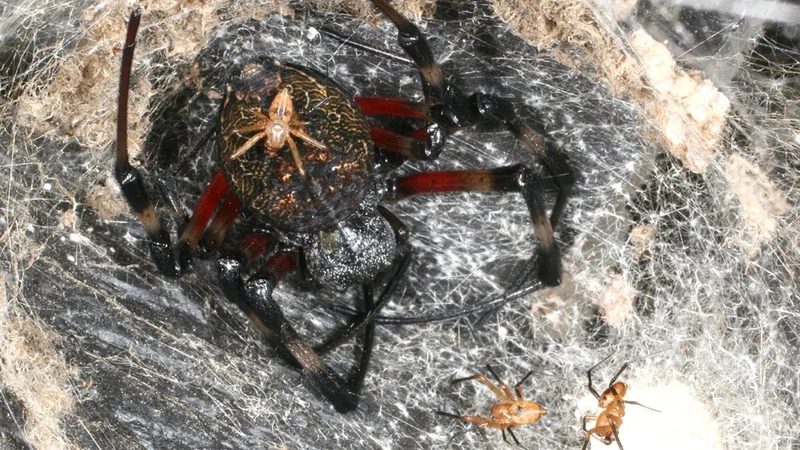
(613, 430)
(128, 177)
(517, 178)
(511, 432)
(518, 386)
(396, 273)
(547, 153)
(616, 436)
(434, 87)
(349, 41)
(254, 297)
(452, 109)
(448, 316)
(167, 184)
(629, 402)
(589, 375)
(583, 425)
(357, 380)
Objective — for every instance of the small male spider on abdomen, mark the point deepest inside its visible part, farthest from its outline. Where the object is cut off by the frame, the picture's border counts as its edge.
(298, 155)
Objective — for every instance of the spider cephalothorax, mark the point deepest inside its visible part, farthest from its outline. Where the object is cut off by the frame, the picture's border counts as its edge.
(298, 154)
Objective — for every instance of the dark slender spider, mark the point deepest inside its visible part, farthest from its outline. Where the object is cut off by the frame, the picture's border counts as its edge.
(507, 414)
(607, 423)
(314, 184)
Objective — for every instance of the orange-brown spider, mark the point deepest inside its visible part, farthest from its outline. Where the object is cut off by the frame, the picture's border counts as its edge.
(607, 423)
(511, 412)
(277, 130)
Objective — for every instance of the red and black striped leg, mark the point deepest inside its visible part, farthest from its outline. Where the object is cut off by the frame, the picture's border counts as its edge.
(550, 156)
(517, 178)
(425, 143)
(448, 105)
(128, 177)
(426, 149)
(216, 190)
(395, 107)
(226, 215)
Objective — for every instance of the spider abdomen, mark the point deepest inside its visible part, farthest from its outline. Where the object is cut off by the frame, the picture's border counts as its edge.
(295, 148)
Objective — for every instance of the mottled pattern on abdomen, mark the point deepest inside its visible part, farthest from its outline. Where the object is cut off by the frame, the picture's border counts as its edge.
(269, 183)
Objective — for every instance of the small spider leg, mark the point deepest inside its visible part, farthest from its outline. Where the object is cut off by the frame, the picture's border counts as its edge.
(248, 144)
(518, 386)
(397, 271)
(587, 436)
(303, 136)
(254, 297)
(589, 375)
(504, 396)
(517, 178)
(449, 414)
(616, 435)
(619, 372)
(509, 397)
(480, 421)
(513, 436)
(298, 161)
(129, 178)
(631, 402)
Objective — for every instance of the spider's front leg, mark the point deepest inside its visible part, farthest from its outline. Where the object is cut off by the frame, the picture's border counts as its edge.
(128, 177)
(133, 189)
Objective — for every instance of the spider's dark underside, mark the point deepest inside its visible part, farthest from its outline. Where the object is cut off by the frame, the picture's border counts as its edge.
(298, 155)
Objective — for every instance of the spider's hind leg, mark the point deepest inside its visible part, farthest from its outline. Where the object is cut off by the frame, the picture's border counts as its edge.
(396, 272)
(517, 178)
(254, 297)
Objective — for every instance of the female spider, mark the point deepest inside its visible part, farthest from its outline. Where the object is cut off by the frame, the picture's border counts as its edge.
(298, 155)
(510, 412)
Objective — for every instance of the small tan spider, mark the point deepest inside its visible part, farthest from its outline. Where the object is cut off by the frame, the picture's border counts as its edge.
(510, 412)
(277, 129)
(607, 423)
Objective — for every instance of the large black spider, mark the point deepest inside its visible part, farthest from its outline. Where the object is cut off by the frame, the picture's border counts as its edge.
(297, 153)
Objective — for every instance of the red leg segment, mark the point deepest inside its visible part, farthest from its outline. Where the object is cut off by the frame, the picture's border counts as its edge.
(203, 211)
(227, 214)
(502, 179)
(396, 107)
